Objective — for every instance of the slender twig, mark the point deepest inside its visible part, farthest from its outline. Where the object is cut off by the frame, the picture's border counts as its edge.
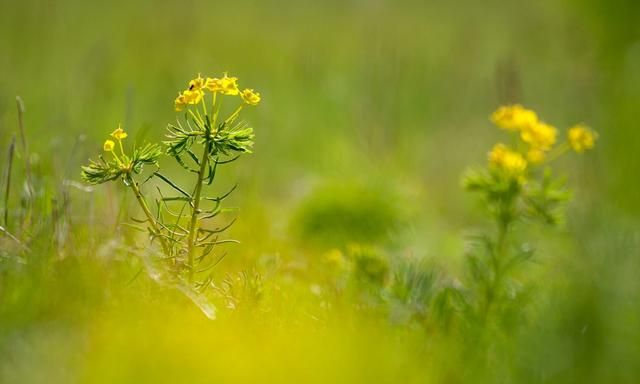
(12, 237)
(193, 224)
(12, 147)
(27, 161)
(145, 208)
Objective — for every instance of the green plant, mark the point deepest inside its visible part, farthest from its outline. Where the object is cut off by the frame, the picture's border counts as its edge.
(200, 143)
(518, 188)
(337, 215)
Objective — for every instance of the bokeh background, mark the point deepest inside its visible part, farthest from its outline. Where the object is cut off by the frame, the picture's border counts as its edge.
(371, 112)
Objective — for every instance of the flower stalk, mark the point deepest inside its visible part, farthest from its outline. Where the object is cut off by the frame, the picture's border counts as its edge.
(195, 211)
(517, 186)
(185, 238)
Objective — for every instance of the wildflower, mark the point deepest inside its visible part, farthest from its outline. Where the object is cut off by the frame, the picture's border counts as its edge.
(197, 84)
(180, 103)
(213, 84)
(250, 96)
(540, 136)
(229, 85)
(108, 145)
(581, 138)
(514, 117)
(510, 161)
(193, 97)
(119, 133)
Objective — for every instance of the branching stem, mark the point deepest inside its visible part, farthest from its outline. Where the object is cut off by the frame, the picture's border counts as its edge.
(145, 208)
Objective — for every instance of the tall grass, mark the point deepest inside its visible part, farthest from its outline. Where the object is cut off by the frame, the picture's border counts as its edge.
(383, 99)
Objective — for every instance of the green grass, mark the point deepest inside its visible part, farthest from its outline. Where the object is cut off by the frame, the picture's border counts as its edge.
(371, 112)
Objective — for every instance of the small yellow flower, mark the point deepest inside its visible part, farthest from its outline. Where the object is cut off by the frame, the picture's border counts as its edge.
(512, 162)
(193, 97)
(539, 136)
(250, 96)
(581, 138)
(119, 133)
(180, 103)
(197, 84)
(535, 156)
(108, 145)
(213, 84)
(514, 117)
(229, 85)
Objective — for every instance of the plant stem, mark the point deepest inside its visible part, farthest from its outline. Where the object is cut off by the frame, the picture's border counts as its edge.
(27, 165)
(147, 212)
(195, 211)
(497, 258)
(8, 180)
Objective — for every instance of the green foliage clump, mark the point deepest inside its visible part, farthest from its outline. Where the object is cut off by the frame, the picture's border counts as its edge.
(189, 247)
(336, 215)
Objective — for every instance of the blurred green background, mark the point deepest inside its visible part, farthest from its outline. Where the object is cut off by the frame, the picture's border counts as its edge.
(388, 100)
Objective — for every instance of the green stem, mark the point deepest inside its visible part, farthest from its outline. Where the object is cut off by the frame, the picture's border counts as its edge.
(557, 152)
(497, 258)
(145, 208)
(233, 116)
(195, 212)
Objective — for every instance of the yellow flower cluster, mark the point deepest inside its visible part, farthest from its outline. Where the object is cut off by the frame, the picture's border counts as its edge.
(118, 134)
(514, 117)
(537, 136)
(581, 138)
(225, 85)
(109, 145)
(508, 160)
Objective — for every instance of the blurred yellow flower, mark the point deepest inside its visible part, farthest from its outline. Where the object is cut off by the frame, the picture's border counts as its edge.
(119, 133)
(514, 117)
(512, 162)
(213, 84)
(180, 103)
(250, 96)
(229, 85)
(535, 156)
(197, 84)
(108, 145)
(539, 136)
(581, 138)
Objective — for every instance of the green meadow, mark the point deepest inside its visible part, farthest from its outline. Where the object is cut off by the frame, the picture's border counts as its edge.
(357, 222)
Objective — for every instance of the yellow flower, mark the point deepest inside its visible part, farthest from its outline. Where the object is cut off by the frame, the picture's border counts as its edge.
(119, 133)
(197, 84)
(539, 136)
(180, 103)
(514, 117)
(108, 145)
(229, 85)
(213, 84)
(250, 96)
(512, 162)
(535, 156)
(581, 138)
(193, 97)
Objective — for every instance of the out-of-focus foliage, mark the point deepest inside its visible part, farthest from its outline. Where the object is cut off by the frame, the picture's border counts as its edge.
(339, 214)
(386, 98)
